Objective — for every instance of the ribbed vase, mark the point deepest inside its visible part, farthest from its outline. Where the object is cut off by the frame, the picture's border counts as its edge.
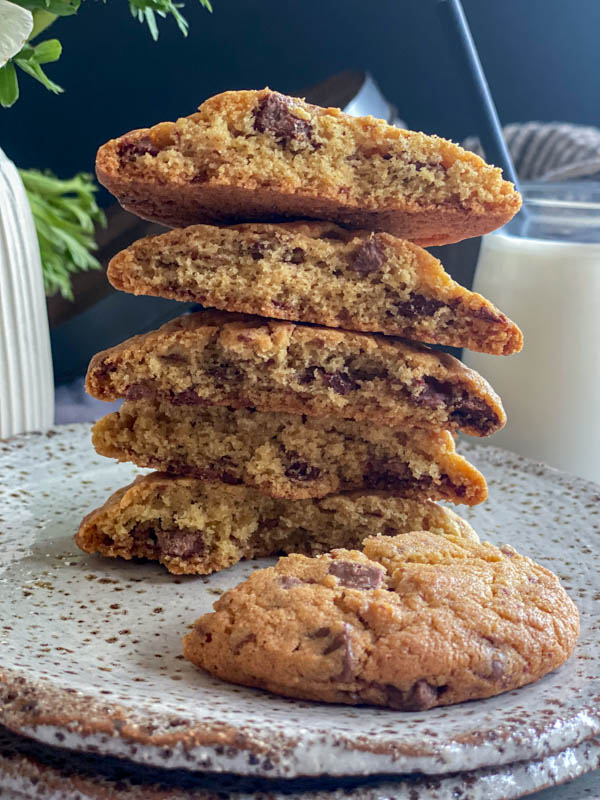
(26, 382)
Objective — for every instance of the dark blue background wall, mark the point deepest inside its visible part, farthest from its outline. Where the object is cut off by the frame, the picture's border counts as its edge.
(541, 57)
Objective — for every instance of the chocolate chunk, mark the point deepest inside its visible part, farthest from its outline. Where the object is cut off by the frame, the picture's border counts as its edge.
(354, 575)
(435, 394)
(487, 314)
(182, 543)
(307, 376)
(474, 413)
(419, 306)
(368, 257)
(130, 149)
(419, 698)
(341, 641)
(138, 391)
(289, 581)
(104, 369)
(302, 471)
(174, 358)
(257, 250)
(274, 115)
(340, 382)
(187, 398)
(320, 633)
(295, 256)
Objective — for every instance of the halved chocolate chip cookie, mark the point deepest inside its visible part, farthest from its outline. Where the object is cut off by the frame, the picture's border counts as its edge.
(262, 156)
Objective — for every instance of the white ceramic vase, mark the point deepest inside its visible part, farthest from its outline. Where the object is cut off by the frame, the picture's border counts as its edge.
(26, 382)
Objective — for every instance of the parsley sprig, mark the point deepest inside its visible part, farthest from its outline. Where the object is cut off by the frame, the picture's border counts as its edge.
(31, 58)
(65, 215)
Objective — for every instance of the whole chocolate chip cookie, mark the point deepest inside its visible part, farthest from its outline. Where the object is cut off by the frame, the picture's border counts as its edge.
(411, 622)
(316, 272)
(261, 156)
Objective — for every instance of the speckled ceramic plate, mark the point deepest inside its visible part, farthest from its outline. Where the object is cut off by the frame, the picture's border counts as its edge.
(30, 769)
(90, 647)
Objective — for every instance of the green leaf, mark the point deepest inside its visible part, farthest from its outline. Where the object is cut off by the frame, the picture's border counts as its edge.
(9, 85)
(65, 215)
(62, 8)
(29, 59)
(48, 51)
(147, 11)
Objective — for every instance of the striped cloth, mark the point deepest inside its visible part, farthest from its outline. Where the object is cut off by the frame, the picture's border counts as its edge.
(550, 151)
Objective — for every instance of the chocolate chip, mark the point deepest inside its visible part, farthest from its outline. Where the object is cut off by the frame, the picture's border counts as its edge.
(174, 358)
(295, 256)
(487, 314)
(130, 149)
(474, 413)
(434, 394)
(289, 581)
(354, 575)
(341, 640)
(274, 115)
(139, 391)
(368, 257)
(181, 543)
(302, 471)
(419, 306)
(320, 633)
(257, 250)
(340, 382)
(307, 376)
(187, 398)
(104, 369)
(419, 698)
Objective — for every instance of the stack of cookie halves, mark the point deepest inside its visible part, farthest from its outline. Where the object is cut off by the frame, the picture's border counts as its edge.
(296, 417)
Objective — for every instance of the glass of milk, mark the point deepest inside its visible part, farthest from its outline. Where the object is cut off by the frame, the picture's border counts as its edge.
(542, 269)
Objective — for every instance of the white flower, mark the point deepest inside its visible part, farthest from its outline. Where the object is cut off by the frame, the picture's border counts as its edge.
(16, 24)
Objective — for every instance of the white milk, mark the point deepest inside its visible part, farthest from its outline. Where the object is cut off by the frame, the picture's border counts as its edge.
(551, 390)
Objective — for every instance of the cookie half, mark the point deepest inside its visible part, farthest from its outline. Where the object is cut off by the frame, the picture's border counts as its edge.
(411, 622)
(261, 156)
(287, 455)
(217, 358)
(316, 272)
(197, 527)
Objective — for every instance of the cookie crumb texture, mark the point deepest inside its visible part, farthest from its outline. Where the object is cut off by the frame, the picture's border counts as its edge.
(220, 358)
(412, 622)
(260, 155)
(197, 527)
(287, 455)
(316, 272)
